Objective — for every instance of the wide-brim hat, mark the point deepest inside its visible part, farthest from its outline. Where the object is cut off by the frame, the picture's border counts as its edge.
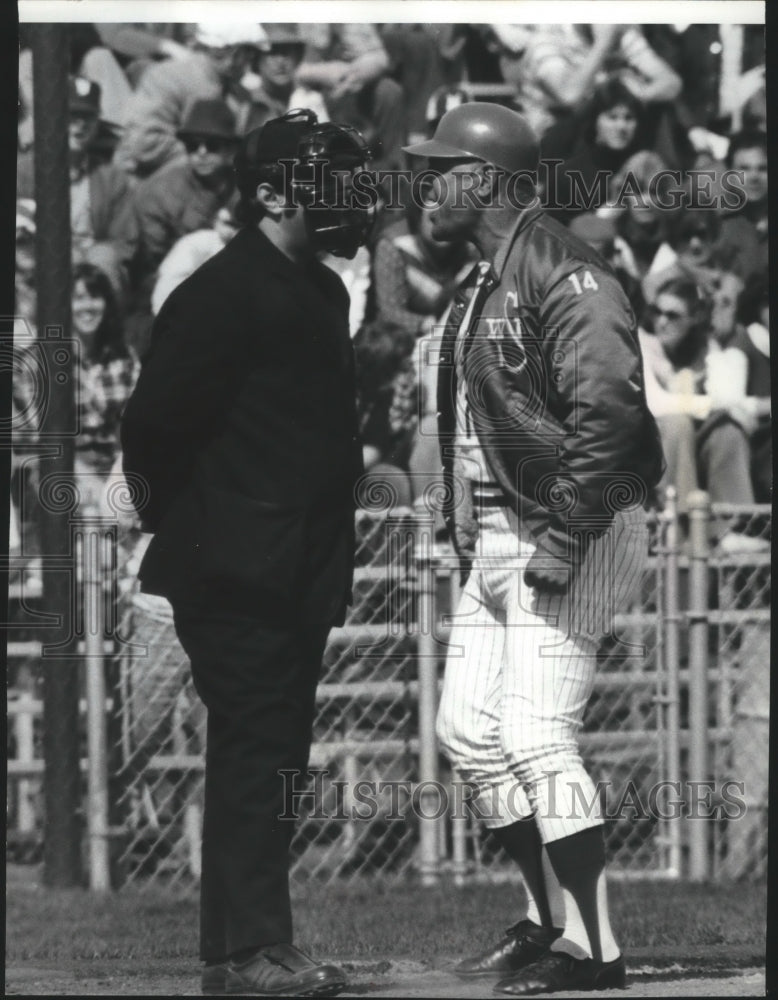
(229, 34)
(283, 35)
(209, 118)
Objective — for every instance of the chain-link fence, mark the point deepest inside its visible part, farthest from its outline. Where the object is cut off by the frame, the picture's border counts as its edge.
(739, 687)
(375, 721)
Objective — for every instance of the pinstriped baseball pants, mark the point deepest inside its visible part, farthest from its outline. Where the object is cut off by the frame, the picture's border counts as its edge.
(520, 670)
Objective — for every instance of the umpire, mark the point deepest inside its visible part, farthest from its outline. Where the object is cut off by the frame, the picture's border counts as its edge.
(243, 427)
(550, 454)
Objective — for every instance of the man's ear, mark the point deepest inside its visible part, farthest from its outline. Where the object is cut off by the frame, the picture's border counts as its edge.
(272, 202)
(490, 177)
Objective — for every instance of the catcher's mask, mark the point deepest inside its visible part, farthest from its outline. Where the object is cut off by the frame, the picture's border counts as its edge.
(337, 217)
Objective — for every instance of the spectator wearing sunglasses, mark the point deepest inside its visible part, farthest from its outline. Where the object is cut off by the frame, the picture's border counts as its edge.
(183, 196)
(695, 388)
(691, 251)
(186, 195)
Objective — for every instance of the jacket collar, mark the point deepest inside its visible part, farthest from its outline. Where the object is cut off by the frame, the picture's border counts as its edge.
(523, 219)
(253, 241)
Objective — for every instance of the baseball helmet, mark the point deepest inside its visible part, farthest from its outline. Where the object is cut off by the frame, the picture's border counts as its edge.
(483, 131)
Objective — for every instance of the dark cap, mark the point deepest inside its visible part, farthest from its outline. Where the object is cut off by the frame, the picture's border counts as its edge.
(287, 35)
(83, 96)
(209, 118)
(278, 139)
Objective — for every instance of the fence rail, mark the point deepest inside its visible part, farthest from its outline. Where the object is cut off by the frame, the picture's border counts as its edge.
(693, 707)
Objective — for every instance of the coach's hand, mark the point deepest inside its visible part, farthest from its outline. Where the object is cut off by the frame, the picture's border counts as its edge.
(547, 573)
(553, 563)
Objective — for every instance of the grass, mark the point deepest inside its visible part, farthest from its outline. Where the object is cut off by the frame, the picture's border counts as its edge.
(362, 923)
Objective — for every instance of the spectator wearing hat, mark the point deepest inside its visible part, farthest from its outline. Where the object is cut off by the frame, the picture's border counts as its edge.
(349, 64)
(166, 90)
(103, 225)
(276, 90)
(185, 195)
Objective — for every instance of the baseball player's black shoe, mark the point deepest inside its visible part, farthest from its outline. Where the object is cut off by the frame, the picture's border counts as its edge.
(281, 970)
(557, 970)
(214, 980)
(523, 944)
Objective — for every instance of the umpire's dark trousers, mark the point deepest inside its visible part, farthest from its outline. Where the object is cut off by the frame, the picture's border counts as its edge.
(258, 683)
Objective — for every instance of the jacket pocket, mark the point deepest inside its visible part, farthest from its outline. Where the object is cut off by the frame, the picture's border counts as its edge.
(249, 544)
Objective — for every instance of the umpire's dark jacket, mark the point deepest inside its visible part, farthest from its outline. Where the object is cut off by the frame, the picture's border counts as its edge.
(243, 427)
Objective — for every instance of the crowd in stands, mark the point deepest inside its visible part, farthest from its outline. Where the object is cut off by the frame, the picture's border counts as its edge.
(155, 115)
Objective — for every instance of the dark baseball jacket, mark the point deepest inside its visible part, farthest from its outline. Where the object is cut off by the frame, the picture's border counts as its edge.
(555, 385)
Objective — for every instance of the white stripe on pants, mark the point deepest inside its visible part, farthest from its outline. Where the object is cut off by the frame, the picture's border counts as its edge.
(520, 671)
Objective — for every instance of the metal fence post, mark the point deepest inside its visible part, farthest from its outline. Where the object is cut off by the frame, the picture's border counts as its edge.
(92, 565)
(699, 769)
(59, 666)
(672, 697)
(25, 751)
(429, 800)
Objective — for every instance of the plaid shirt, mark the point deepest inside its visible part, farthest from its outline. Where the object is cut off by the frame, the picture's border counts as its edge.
(101, 390)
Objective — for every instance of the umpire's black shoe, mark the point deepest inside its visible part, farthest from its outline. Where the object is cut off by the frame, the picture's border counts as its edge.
(557, 970)
(523, 944)
(214, 979)
(281, 970)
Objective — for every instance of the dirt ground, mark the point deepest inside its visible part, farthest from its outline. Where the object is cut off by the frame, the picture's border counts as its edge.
(375, 979)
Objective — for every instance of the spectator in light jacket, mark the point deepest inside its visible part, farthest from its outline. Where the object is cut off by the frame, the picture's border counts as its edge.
(166, 90)
(189, 253)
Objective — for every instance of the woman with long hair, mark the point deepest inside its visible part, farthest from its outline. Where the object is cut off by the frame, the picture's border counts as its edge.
(106, 369)
(610, 133)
